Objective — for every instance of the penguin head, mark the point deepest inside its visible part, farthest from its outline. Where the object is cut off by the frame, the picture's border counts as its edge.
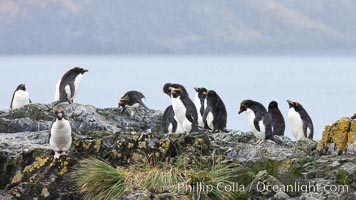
(59, 114)
(21, 87)
(167, 90)
(79, 70)
(273, 105)
(200, 90)
(353, 117)
(211, 94)
(124, 101)
(297, 106)
(246, 104)
(175, 92)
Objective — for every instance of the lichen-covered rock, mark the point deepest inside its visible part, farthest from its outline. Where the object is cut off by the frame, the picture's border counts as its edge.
(15, 143)
(122, 138)
(122, 149)
(139, 119)
(266, 186)
(84, 119)
(339, 138)
(241, 146)
(306, 145)
(22, 125)
(36, 112)
(44, 178)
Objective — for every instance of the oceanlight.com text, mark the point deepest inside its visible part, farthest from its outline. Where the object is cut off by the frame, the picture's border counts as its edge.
(297, 187)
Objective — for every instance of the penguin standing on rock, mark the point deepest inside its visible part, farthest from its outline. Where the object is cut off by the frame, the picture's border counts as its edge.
(132, 99)
(299, 120)
(215, 114)
(60, 136)
(67, 88)
(258, 119)
(169, 122)
(184, 110)
(20, 98)
(199, 101)
(278, 124)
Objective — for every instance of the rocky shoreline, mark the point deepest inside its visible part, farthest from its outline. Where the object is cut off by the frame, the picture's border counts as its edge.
(28, 170)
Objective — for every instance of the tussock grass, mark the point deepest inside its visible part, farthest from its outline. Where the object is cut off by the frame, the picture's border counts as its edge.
(99, 180)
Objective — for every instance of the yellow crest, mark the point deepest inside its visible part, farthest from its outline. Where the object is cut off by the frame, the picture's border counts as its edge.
(125, 98)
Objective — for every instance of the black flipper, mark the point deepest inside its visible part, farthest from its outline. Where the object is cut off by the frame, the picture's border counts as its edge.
(142, 104)
(256, 121)
(12, 100)
(206, 112)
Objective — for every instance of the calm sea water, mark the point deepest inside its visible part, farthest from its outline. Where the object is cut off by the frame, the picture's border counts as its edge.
(324, 85)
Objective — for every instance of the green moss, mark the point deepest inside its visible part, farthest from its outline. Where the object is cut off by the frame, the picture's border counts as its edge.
(32, 111)
(285, 171)
(8, 168)
(344, 178)
(271, 166)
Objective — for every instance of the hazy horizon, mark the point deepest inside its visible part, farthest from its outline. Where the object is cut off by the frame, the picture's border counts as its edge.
(177, 27)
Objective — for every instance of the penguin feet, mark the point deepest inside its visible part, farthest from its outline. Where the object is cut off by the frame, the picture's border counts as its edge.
(259, 141)
(57, 155)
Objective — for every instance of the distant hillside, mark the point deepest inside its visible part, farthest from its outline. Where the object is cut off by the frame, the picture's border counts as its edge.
(184, 26)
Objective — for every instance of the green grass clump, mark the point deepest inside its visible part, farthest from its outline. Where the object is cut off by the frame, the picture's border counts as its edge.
(99, 180)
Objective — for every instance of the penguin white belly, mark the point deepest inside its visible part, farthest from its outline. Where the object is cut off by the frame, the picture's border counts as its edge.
(251, 118)
(261, 134)
(61, 138)
(21, 98)
(308, 132)
(197, 104)
(170, 128)
(77, 82)
(68, 92)
(205, 103)
(136, 105)
(296, 124)
(209, 120)
(180, 114)
(179, 127)
(56, 95)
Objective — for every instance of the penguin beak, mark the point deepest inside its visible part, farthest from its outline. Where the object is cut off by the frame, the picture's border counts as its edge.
(60, 116)
(172, 90)
(120, 103)
(85, 70)
(196, 89)
(242, 109)
(290, 102)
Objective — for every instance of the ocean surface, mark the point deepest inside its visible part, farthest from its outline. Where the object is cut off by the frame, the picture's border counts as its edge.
(324, 85)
